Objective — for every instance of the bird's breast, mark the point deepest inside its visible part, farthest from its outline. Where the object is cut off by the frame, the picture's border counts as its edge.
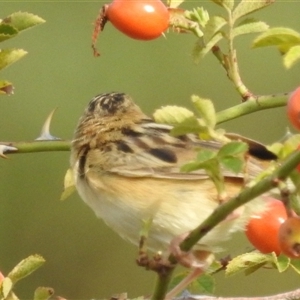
(173, 206)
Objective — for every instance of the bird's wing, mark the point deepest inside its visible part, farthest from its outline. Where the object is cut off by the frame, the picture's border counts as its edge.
(153, 152)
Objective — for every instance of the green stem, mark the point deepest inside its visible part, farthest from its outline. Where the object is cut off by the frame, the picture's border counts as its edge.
(248, 107)
(247, 194)
(224, 210)
(232, 66)
(36, 146)
(162, 284)
(251, 106)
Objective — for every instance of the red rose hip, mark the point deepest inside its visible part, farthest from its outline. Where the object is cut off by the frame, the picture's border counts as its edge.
(262, 230)
(289, 237)
(139, 19)
(293, 108)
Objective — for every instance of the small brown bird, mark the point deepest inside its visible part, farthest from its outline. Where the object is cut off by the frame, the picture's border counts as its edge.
(127, 169)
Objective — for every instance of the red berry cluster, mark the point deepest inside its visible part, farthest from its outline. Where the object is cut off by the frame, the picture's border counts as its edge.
(274, 231)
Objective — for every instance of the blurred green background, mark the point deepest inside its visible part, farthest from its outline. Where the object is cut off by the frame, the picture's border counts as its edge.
(85, 259)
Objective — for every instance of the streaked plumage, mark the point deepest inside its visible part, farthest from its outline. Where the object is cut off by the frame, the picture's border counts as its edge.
(127, 169)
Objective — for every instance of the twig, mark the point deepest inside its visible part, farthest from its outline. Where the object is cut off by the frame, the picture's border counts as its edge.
(246, 195)
(36, 146)
(292, 295)
(225, 209)
(251, 106)
(248, 107)
(232, 66)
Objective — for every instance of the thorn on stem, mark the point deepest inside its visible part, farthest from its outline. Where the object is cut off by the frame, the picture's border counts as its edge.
(45, 133)
(5, 148)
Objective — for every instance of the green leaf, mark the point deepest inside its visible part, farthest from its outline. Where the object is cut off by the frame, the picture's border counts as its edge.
(295, 264)
(233, 148)
(207, 159)
(214, 24)
(254, 268)
(67, 192)
(69, 185)
(219, 2)
(191, 166)
(5, 287)
(172, 115)
(215, 266)
(197, 165)
(295, 177)
(177, 278)
(200, 49)
(247, 261)
(26, 267)
(205, 154)
(43, 293)
(229, 4)
(22, 20)
(204, 284)
(291, 56)
(281, 262)
(212, 168)
(174, 3)
(294, 199)
(276, 37)
(250, 26)
(246, 7)
(199, 15)
(225, 3)
(7, 32)
(206, 110)
(9, 56)
(276, 148)
(290, 145)
(233, 164)
(189, 125)
(6, 87)
(181, 20)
